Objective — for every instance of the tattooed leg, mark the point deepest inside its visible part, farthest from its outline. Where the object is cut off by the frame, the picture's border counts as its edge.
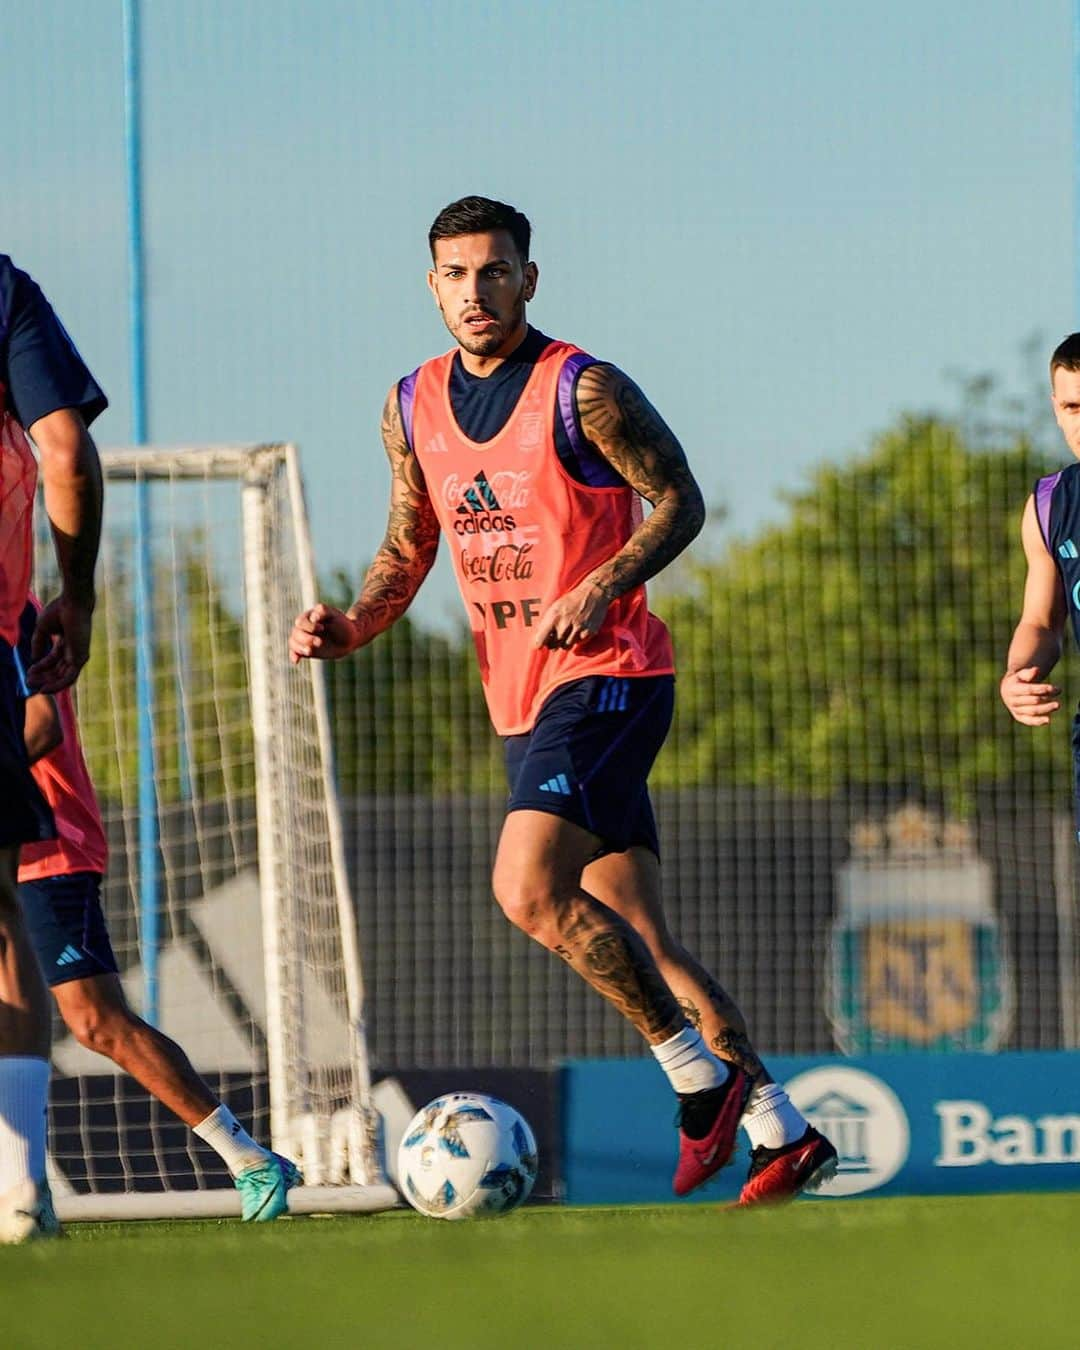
(539, 862)
(722, 1024)
(610, 956)
(629, 884)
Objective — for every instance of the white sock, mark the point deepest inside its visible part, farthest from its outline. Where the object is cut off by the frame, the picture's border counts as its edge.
(228, 1138)
(24, 1100)
(688, 1064)
(770, 1118)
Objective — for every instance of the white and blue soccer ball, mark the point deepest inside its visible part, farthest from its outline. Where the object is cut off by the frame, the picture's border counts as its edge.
(466, 1156)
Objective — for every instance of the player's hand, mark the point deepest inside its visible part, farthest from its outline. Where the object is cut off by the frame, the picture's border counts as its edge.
(575, 617)
(1030, 701)
(322, 633)
(61, 644)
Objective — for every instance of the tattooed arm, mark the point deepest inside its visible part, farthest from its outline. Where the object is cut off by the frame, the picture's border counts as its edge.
(402, 562)
(626, 429)
(412, 536)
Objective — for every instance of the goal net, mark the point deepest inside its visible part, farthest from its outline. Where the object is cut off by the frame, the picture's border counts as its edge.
(227, 896)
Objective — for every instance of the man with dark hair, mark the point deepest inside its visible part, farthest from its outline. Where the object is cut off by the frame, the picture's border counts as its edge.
(1049, 531)
(1066, 356)
(532, 458)
(481, 215)
(46, 389)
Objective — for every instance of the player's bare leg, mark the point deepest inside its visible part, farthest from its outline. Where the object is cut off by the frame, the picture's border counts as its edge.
(629, 884)
(789, 1154)
(98, 1015)
(25, 1207)
(537, 882)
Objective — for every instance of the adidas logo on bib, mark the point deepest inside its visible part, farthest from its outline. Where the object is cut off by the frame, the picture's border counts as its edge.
(481, 510)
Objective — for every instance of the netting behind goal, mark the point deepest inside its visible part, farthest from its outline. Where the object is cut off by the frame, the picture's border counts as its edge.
(234, 928)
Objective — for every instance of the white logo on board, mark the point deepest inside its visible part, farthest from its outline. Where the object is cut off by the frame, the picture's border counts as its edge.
(863, 1118)
(971, 1135)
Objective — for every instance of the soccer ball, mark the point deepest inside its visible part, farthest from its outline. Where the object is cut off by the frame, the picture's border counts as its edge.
(466, 1156)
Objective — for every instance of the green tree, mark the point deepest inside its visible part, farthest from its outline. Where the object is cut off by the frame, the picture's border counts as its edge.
(202, 724)
(861, 640)
(858, 641)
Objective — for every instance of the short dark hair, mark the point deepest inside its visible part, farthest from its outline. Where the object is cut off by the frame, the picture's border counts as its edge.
(1066, 355)
(481, 215)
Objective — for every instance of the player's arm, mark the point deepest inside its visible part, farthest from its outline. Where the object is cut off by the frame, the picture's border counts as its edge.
(403, 560)
(71, 475)
(624, 427)
(43, 730)
(1036, 641)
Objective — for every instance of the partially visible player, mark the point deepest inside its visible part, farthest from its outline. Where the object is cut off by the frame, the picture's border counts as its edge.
(533, 457)
(1050, 532)
(46, 390)
(60, 890)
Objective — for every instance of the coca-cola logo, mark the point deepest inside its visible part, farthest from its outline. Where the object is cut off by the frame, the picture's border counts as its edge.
(508, 562)
(509, 489)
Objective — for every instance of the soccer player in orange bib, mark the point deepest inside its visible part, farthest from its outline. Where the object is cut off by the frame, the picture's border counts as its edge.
(60, 891)
(533, 458)
(46, 390)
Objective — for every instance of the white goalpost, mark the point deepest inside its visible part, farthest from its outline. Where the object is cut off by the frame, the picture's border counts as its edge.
(256, 970)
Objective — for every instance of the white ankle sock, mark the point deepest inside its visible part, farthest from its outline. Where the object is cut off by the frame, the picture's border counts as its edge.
(224, 1133)
(688, 1063)
(24, 1100)
(770, 1119)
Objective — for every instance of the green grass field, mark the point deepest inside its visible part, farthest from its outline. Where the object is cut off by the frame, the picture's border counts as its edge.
(958, 1273)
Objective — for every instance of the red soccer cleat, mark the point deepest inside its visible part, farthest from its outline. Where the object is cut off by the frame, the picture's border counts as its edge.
(701, 1158)
(778, 1175)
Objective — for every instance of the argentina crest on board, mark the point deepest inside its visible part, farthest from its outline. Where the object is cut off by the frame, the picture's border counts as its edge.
(917, 959)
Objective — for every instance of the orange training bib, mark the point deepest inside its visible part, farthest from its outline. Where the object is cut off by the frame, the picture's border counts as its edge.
(523, 532)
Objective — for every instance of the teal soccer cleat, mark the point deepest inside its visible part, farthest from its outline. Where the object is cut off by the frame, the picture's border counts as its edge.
(263, 1188)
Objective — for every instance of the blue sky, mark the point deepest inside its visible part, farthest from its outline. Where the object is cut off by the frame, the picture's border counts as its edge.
(787, 222)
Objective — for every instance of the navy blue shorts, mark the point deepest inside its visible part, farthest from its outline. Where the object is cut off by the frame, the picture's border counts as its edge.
(25, 817)
(67, 926)
(589, 754)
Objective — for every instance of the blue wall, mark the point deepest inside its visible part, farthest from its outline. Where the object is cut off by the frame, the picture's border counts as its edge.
(904, 1125)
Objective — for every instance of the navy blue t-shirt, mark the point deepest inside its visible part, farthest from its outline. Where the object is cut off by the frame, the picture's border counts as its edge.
(39, 364)
(482, 406)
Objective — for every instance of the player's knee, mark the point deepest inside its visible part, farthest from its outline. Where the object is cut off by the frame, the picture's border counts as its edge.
(530, 903)
(100, 1029)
